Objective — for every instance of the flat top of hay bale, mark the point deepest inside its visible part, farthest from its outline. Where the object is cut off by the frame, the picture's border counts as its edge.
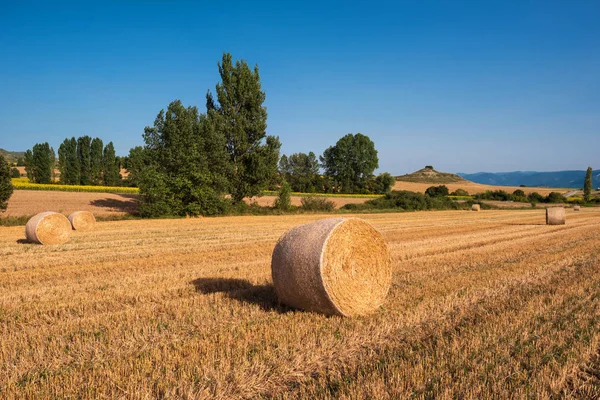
(49, 228)
(82, 221)
(356, 267)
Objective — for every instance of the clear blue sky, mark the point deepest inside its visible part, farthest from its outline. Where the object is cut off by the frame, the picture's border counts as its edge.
(463, 85)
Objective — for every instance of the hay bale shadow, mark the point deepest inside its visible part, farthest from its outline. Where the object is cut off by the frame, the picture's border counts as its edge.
(24, 241)
(243, 291)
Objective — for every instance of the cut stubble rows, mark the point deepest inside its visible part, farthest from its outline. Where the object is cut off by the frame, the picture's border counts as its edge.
(489, 304)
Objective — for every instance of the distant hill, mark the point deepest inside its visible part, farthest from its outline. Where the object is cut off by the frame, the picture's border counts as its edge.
(557, 179)
(12, 156)
(430, 175)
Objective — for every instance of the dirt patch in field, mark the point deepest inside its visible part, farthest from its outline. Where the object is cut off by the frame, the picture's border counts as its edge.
(30, 202)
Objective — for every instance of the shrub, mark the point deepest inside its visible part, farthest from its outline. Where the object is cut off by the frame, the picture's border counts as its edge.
(519, 193)
(535, 197)
(555, 197)
(14, 173)
(410, 201)
(460, 192)
(499, 195)
(314, 203)
(284, 199)
(437, 191)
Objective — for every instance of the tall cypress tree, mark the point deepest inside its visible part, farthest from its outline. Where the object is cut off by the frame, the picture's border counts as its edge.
(96, 164)
(83, 154)
(239, 115)
(40, 163)
(587, 186)
(68, 162)
(110, 166)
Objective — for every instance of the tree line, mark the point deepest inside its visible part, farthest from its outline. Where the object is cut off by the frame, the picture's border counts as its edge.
(190, 159)
(81, 161)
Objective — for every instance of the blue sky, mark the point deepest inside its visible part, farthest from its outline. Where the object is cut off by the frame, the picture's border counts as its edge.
(465, 86)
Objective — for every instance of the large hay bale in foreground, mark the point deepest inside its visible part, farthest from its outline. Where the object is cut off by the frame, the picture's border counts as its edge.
(475, 207)
(576, 208)
(82, 221)
(48, 228)
(333, 266)
(555, 216)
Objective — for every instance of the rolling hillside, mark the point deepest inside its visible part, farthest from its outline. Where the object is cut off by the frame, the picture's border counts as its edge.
(12, 156)
(430, 175)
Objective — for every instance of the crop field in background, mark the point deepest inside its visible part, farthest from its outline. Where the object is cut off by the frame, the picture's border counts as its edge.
(24, 184)
(488, 304)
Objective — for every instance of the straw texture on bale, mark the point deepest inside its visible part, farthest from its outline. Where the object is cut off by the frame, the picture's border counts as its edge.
(475, 207)
(48, 228)
(82, 221)
(555, 216)
(333, 266)
(576, 208)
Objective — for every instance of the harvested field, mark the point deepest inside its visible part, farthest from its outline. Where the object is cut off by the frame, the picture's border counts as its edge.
(473, 188)
(30, 202)
(483, 305)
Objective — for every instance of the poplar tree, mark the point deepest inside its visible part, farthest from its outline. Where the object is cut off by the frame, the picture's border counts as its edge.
(239, 115)
(96, 164)
(84, 144)
(68, 162)
(587, 186)
(110, 166)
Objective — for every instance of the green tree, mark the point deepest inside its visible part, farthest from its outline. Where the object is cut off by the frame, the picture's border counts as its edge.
(437, 191)
(84, 144)
(301, 171)
(135, 163)
(239, 116)
(587, 185)
(6, 187)
(111, 169)
(351, 162)
(284, 199)
(185, 162)
(383, 183)
(40, 163)
(20, 162)
(14, 173)
(96, 162)
(68, 162)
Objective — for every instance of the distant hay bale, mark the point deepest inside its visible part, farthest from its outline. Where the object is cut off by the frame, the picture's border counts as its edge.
(48, 228)
(333, 266)
(475, 207)
(82, 221)
(576, 208)
(555, 216)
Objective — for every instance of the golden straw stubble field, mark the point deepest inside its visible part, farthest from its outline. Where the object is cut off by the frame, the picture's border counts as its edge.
(492, 304)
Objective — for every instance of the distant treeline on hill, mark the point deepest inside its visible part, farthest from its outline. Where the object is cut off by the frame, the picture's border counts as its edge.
(557, 179)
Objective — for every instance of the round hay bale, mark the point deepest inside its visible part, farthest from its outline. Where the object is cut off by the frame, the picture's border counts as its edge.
(555, 216)
(576, 208)
(475, 207)
(82, 221)
(48, 228)
(333, 266)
